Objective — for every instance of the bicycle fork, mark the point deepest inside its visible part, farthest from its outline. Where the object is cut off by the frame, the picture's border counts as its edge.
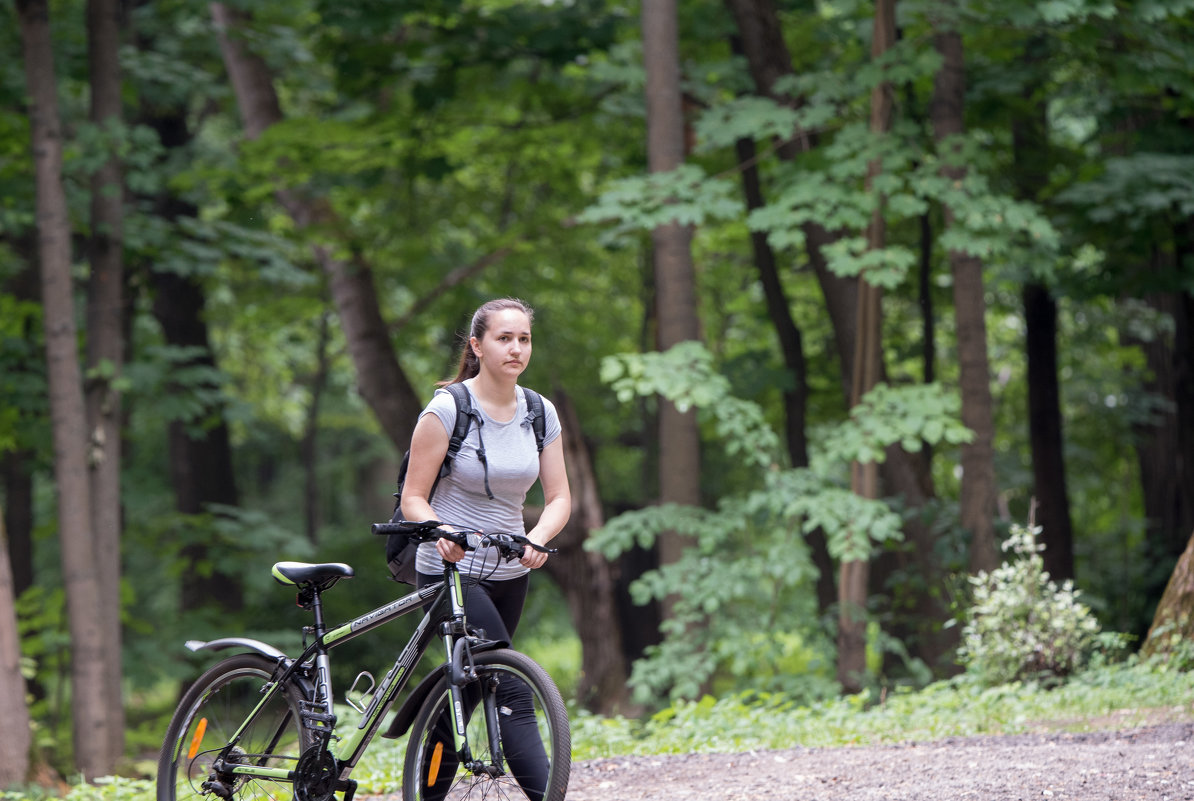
(462, 673)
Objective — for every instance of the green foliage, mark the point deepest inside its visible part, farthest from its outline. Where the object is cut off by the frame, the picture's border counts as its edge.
(1137, 189)
(909, 416)
(685, 375)
(105, 788)
(1021, 625)
(685, 196)
(454, 144)
(749, 570)
(111, 788)
(1120, 695)
(22, 375)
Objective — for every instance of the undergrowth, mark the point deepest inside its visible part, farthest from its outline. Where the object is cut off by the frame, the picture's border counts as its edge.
(1120, 696)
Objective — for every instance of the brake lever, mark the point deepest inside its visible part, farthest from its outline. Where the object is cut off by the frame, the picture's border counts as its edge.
(524, 540)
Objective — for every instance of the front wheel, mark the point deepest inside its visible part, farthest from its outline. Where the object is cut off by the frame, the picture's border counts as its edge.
(516, 699)
(208, 716)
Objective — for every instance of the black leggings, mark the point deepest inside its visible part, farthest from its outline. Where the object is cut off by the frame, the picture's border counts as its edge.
(495, 607)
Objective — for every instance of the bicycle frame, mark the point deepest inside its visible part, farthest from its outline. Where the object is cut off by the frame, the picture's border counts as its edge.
(444, 617)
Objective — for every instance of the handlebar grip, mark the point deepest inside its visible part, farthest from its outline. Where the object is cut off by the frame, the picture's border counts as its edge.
(404, 527)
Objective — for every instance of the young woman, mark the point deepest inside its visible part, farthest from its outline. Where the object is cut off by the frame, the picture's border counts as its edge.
(488, 492)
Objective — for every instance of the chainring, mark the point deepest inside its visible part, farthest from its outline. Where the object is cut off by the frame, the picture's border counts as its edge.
(315, 775)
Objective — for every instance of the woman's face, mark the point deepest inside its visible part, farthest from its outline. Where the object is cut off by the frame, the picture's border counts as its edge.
(505, 347)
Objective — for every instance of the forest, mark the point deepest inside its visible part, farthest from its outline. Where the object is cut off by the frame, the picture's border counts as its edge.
(835, 298)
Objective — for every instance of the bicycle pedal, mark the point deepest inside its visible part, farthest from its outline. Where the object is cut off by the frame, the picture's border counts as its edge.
(310, 716)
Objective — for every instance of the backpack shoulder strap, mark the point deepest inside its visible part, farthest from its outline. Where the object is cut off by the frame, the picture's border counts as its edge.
(538, 416)
(464, 418)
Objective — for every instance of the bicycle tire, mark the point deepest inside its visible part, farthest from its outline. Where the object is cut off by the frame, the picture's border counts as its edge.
(431, 771)
(210, 713)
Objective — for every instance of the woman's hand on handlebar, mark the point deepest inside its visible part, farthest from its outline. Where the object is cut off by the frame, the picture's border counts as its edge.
(448, 550)
(533, 558)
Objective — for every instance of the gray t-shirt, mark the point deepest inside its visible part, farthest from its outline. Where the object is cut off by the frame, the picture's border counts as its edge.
(460, 496)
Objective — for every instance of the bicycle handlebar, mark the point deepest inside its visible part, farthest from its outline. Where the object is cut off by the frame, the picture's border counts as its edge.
(511, 546)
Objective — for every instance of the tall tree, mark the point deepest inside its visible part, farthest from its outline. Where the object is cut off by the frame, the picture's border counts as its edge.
(201, 468)
(791, 339)
(675, 284)
(105, 345)
(1173, 622)
(17, 465)
(380, 378)
(200, 448)
(792, 347)
(587, 579)
(853, 578)
(904, 474)
(91, 729)
(977, 504)
(1165, 444)
(14, 746)
(1032, 158)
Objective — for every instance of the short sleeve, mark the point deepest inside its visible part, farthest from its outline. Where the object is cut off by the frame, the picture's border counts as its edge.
(443, 406)
(551, 423)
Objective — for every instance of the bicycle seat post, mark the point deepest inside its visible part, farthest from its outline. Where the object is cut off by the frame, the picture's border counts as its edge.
(312, 600)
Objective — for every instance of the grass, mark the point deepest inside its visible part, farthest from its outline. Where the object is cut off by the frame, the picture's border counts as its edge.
(1118, 697)
(1124, 696)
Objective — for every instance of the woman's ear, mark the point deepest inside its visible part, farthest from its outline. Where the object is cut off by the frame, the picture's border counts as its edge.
(476, 347)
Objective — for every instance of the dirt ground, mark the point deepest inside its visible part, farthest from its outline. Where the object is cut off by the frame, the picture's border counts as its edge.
(1154, 763)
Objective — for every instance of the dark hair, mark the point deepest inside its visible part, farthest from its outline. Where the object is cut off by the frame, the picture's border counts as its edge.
(469, 365)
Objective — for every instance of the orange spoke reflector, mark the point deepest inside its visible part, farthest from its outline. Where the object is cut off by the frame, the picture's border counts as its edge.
(200, 730)
(433, 770)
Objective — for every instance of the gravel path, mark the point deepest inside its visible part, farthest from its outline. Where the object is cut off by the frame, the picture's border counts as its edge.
(1154, 763)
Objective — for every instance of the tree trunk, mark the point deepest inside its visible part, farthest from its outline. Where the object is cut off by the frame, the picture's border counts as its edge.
(381, 381)
(854, 575)
(1033, 160)
(201, 468)
(588, 581)
(791, 343)
(1052, 510)
(903, 474)
(867, 372)
(17, 464)
(978, 456)
(1165, 443)
(68, 419)
(675, 285)
(1173, 623)
(768, 59)
(200, 456)
(105, 348)
(17, 482)
(14, 711)
(309, 447)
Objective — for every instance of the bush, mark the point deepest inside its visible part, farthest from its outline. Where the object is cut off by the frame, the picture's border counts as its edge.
(1022, 625)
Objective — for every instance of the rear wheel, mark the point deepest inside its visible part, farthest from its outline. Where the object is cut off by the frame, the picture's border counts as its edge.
(535, 753)
(209, 715)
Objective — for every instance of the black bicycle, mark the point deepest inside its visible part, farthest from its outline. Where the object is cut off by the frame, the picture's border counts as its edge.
(486, 723)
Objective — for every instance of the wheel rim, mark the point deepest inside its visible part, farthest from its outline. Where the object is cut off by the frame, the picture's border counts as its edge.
(274, 740)
(441, 777)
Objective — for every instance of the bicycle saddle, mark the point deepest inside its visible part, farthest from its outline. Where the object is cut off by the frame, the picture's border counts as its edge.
(321, 575)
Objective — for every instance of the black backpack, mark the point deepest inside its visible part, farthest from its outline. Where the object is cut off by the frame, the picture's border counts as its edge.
(400, 550)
